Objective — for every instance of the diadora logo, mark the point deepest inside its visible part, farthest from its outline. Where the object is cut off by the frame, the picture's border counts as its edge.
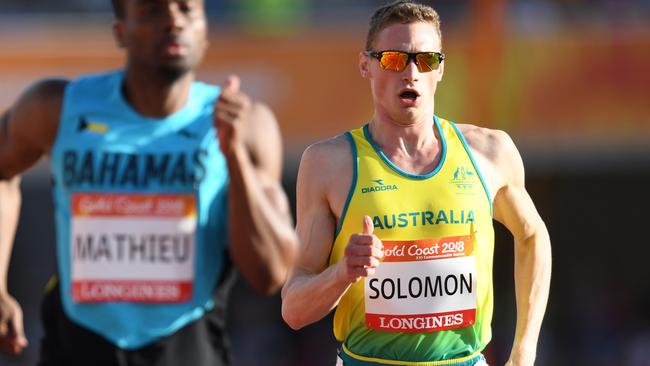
(379, 186)
(464, 178)
(96, 127)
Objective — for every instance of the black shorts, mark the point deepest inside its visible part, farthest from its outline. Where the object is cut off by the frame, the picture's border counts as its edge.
(202, 342)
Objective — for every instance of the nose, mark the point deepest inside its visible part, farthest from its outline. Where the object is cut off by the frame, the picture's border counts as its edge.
(174, 19)
(410, 72)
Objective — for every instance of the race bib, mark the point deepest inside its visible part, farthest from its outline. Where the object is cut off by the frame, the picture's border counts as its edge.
(132, 247)
(423, 286)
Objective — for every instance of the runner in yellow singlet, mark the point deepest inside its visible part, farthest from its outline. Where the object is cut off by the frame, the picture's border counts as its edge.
(395, 218)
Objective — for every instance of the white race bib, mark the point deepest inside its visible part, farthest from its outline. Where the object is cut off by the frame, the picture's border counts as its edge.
(132, 247)
(423, 286)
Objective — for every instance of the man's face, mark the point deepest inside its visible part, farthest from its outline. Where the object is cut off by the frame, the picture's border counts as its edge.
(404, 97)
(169, 36)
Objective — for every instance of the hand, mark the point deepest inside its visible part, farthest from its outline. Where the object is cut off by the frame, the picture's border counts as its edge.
(362, 255)
(232, 111)
(12, 335)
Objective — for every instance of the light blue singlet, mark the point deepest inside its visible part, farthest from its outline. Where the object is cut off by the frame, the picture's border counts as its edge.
(117, 177)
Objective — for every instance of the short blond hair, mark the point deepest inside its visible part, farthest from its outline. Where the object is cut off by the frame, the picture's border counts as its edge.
(403, 12)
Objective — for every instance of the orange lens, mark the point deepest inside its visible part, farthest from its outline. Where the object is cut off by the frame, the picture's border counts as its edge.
(395, 61)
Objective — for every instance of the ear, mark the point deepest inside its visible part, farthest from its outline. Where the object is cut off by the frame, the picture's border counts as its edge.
(364, 66)
(118, 33)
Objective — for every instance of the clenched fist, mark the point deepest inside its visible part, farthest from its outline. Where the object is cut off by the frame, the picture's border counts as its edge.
(362, 255)
(12, 336)
(231, 114)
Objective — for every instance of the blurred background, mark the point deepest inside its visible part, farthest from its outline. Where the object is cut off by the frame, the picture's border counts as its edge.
(568, 79)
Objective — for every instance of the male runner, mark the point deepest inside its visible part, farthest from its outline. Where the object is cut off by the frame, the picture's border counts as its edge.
(159, 183)
(395, 218)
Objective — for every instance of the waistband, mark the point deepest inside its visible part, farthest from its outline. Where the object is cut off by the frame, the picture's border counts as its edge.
(351, 359)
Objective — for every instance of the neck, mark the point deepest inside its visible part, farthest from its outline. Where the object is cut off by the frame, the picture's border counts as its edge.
(408, 138)
(156, 97)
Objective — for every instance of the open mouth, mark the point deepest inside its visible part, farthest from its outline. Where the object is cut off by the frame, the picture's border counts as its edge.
(409, 96)
(173, 47)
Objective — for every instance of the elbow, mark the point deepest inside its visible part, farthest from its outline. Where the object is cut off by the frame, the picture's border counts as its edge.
(291, 317)
(268, 280)
(11, 179)
(277, 272)
(263, 290)
(267, 285)
(9, 172)
(291, 313)
(265, 273)
(292, 321)
(10, 190)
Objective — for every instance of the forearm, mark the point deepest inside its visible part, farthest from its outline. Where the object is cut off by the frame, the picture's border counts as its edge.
(262, 240)
(532, 282)
(298, 306)
(9, 212)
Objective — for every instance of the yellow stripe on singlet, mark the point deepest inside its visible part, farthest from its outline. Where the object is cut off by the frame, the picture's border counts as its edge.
(406, 363)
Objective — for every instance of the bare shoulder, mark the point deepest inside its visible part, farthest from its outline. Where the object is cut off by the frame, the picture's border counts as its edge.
(326, 170)
(337, 145)
(324, 179)
(495, 147)
(262, 124)
(46, 93)
(39, 108)
(328, 156)
(262, 114)
(28, 129)
(491, 143)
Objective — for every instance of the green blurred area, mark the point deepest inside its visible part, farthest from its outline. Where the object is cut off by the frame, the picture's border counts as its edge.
(272, 17)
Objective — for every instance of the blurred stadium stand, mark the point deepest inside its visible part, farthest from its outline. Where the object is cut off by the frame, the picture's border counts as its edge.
(568, 79)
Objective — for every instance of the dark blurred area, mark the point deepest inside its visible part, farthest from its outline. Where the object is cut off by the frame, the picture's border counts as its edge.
(568, 79)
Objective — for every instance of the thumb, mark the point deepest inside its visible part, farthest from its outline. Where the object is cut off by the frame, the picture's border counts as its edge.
(18, 331)
(232, 83)
(368, 227)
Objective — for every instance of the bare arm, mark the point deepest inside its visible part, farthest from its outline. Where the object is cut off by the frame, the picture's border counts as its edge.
(9, 212)
(27, 132)
(262, 241)
(28, 129)
(514, 208)
(12, 336)
(311, 278)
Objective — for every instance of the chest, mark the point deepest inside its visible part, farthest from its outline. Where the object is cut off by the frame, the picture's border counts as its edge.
(97, 151)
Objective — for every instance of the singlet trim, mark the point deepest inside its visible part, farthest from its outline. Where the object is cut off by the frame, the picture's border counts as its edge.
(410, 363)
(353, 185)
(366, 132)
(471, 157)
(120, 98)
